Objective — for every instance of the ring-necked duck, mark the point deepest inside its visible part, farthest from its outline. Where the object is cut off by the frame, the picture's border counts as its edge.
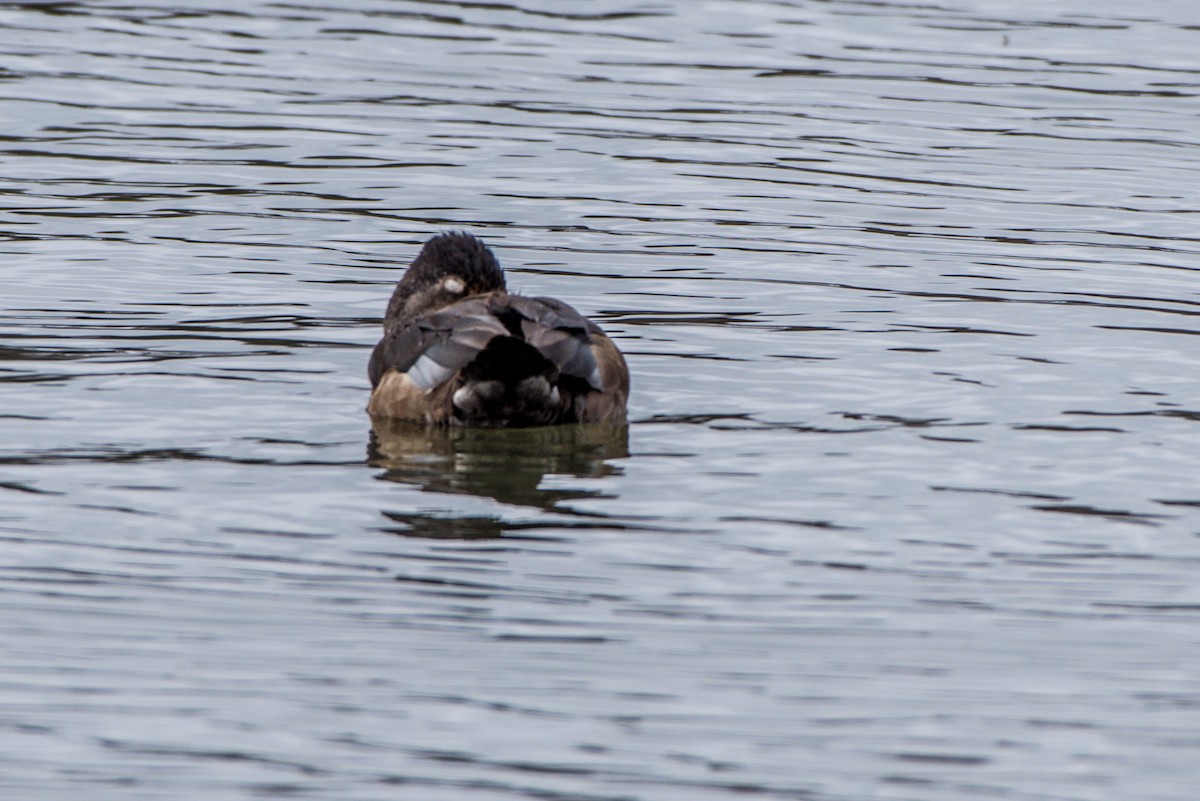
(457, 349)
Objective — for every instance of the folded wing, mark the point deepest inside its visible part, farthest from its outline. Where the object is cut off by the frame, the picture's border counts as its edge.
(431, 350)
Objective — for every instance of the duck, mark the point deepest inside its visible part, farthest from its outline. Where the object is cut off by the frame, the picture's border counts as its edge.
(459, 350)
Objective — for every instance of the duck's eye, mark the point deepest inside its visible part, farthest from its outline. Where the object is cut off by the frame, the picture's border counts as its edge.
(453, 284)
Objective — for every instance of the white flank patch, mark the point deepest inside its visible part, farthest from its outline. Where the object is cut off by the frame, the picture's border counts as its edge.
(427, 374)
(463, 396)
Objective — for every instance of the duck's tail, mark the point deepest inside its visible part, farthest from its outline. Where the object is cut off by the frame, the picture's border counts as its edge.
(508, 383)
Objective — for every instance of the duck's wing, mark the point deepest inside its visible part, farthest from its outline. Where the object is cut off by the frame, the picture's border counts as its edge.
(431, 348)
(596, 383)
(561, 334)
(425, 354)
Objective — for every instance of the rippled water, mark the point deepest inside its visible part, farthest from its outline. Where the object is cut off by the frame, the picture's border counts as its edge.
(908, 508)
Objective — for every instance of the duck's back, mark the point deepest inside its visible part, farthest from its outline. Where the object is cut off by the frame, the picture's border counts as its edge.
(498, 360)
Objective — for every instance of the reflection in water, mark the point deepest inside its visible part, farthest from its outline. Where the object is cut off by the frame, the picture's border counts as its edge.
(507, 465)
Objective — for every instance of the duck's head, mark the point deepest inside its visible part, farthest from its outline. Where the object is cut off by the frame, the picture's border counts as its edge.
(451, 266)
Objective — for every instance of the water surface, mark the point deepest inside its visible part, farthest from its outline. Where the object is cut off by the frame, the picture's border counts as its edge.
(908, 505)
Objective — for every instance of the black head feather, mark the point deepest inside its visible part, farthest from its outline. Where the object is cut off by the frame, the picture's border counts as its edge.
(425, 285)
(461, 254)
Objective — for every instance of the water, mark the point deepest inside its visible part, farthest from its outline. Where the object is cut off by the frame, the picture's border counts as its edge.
(908, 505)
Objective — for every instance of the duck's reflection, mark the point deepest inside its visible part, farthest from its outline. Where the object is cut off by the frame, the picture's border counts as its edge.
(507, 465)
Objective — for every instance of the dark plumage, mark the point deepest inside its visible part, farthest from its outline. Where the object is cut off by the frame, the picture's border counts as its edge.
(457, 349)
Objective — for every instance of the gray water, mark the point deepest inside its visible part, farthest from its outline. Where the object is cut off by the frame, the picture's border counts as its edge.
(908, 506)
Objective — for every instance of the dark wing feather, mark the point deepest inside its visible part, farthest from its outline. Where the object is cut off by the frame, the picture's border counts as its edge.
(449, 338)
(562, 334)
(434, 346)
(399, 346)
(454, 342)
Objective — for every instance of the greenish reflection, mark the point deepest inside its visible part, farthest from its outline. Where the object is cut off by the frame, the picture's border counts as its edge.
(506, 465)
